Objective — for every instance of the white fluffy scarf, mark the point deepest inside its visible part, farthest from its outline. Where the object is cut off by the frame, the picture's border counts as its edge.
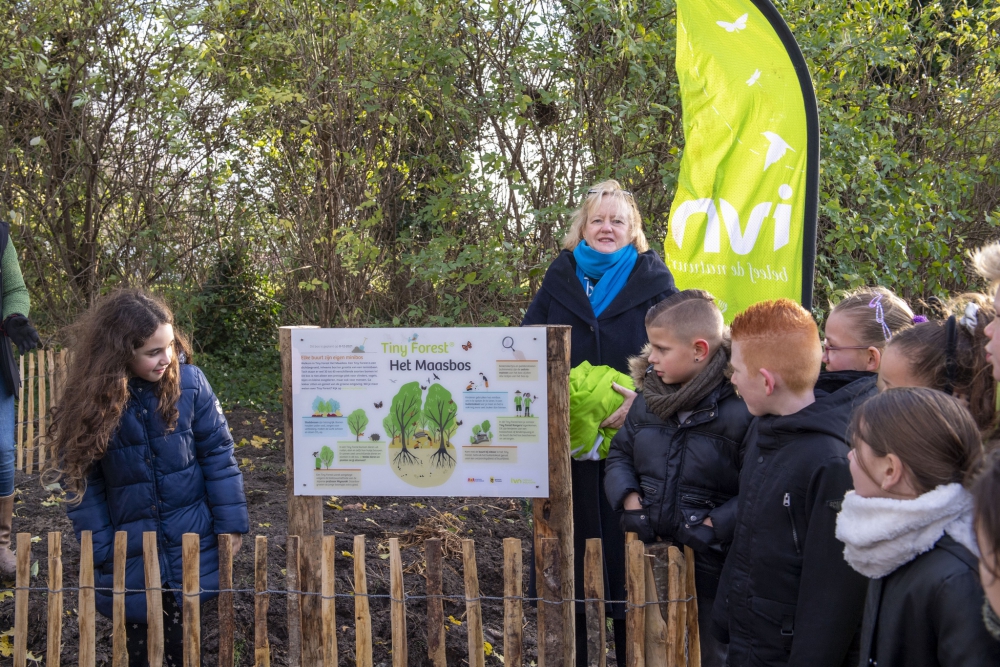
(882, 534)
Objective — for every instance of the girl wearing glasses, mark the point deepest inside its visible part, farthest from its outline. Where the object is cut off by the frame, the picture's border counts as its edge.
(859, 327)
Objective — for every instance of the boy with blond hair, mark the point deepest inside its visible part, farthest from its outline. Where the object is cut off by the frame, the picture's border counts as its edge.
(787, 596)
(673, 471)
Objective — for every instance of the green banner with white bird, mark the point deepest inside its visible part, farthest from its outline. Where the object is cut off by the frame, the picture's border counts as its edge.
(743, 219)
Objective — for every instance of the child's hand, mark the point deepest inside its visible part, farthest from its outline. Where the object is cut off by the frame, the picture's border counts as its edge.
(633, 501)
(617, 417)
(707, 522)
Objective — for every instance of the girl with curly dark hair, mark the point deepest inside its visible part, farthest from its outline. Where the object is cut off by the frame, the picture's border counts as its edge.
(140, 443)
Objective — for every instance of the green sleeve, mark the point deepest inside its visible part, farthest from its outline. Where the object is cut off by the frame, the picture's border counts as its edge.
(15, 294)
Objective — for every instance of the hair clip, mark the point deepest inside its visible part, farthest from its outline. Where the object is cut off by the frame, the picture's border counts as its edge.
(920, 319)
(971, 318)
(876, 303)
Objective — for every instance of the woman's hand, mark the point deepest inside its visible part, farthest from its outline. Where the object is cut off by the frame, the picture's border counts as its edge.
(617, 417)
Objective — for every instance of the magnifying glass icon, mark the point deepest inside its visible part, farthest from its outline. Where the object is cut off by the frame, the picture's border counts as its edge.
(508, 342)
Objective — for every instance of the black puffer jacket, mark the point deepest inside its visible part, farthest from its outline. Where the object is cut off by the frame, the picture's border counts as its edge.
(685, 473)
(787, 595)
(928, 613)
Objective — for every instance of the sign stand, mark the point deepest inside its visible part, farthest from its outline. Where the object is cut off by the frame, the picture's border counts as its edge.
(553, 516)
(305, 519)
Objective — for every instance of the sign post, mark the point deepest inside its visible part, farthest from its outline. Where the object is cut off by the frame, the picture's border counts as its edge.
(305, 519)
(553, 516)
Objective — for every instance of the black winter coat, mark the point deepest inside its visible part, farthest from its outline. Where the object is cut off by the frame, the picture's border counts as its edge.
(787, 595)
(685, 472)
(928, 613)
(619, 333)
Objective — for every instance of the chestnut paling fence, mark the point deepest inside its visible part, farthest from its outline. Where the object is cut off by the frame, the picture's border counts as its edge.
(41, 387)
(661, 616)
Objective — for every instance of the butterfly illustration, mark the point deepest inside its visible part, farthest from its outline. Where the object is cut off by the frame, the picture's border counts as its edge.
(735, 26)
(378, 405)
(458, 423)
(753, 77)
(411, 338)
(423, 386)
(467, 346)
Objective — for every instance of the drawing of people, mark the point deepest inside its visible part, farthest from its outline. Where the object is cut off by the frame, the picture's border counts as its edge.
(517, 402)
(527, 404)
(486, 381)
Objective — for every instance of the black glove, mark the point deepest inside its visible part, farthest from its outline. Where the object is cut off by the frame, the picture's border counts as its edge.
(19, 329)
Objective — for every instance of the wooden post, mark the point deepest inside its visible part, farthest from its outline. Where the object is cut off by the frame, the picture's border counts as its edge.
(329, 602)
(53, 642)
(398, 605)
(513, 613)
(191, 563)
(435, 604)
(53, 377)
(42, 373)
(656, 640)
(635, 618)
(593, 591)
(30, 395)
(119, 651)
(693, 631)
(22, 584)
(154, 599)
(227, 613)
(63, 371)
(305, 519)
(85, 602)
(551, 633)
(20, 417)
(362, 613)
(473, 606)
(292, 556)
(676, 616)
(553, 516)
(261, 646)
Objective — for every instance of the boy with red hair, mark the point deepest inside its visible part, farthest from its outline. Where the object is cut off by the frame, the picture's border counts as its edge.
(787, 596)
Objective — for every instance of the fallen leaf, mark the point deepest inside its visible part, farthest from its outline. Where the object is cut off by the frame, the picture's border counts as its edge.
(6, 594)
(36, 539)
(53, 487)
(257, 442)
(383, 556)
(264, 525)
(347, 554)
(284, 572)
(488, 648)
(6, 647)
(454, 621)
(420, 505)
(334, 506)
(242, 442)
(34, 569)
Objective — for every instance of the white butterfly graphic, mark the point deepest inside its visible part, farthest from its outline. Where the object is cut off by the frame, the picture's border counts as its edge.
(753, 77)
(735, 26)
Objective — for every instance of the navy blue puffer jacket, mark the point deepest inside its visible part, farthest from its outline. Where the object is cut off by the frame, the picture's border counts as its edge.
(185, 481)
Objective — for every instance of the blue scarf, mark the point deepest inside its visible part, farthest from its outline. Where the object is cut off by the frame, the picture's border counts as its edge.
(603, 274)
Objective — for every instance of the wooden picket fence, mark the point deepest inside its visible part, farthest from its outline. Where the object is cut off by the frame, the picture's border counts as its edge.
(662, 610)
(41, 387)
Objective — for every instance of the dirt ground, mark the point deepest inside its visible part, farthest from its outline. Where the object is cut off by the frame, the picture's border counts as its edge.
(260, 451)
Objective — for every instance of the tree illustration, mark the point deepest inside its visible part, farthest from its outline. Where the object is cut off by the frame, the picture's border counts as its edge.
(405, 413)
(439, 415)
(485, 428)
(391, 428)
(326, 456)
(357, 421)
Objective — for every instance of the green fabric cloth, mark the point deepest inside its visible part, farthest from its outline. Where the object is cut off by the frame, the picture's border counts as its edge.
(15, 294)
(592, 399)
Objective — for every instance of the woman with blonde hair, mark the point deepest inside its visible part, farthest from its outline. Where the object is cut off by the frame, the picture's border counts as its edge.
(602, 284)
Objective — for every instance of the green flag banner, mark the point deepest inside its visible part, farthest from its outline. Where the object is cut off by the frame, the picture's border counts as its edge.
(743, 220)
